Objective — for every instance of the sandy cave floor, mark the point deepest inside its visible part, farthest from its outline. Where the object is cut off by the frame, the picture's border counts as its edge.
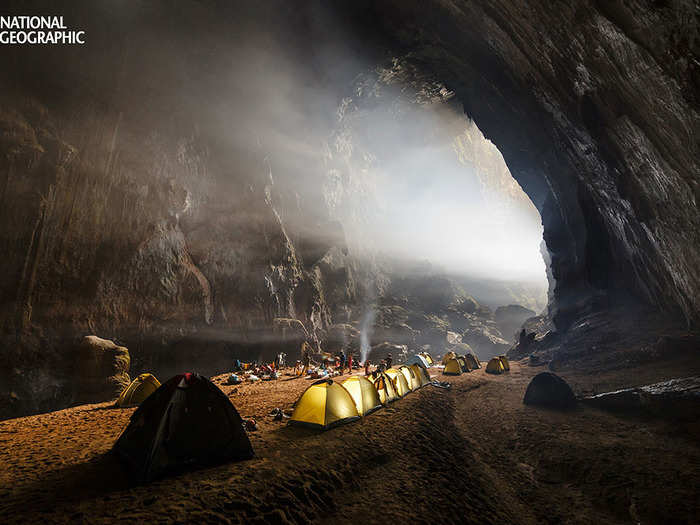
(474, 454)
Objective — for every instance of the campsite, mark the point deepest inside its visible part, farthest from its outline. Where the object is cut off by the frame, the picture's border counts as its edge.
(423, 458)
(356, 262)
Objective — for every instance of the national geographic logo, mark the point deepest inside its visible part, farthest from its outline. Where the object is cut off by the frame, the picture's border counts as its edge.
(38, 30)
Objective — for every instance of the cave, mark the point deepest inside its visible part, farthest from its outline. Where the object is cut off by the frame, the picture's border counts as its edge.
(198, 184)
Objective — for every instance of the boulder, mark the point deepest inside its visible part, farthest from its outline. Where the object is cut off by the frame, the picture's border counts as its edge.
(551, 391)
(391, 324)
(341, 336)
(102, 370)
(468, 305)
(453, 338)
(399, 353)
(676, 397)
(486, 341)
(460, 348)
(510, 319)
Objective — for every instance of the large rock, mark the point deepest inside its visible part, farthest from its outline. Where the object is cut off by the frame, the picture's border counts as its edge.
(341, 336)
(677, 397)
(399, 353)
(392, 323)
(485, 341)
(510, 320)
(551, 391)
(102, 370)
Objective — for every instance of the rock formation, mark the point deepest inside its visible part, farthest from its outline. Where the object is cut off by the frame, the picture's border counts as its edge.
(133, 204)
(101, 370)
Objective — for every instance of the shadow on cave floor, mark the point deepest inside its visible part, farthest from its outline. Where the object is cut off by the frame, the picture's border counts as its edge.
(418, 456)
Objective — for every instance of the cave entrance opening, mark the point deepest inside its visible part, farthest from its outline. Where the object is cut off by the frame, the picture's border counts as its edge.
(445, 202)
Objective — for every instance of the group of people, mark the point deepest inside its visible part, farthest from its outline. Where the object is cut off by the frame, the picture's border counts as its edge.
(336, 364)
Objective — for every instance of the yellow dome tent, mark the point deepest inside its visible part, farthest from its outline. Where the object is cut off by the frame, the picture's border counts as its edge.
(323, 405)
(385, 388)
(472, 361)
(428, 358)
(363, 394)
(139, 389)
(400, 383)
(411, 379)
(446, 358)
(422, 374)
(495, 366)
(463, 363)
(504, 362)
(452, 368)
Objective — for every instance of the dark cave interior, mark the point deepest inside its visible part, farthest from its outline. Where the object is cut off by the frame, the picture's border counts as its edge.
(155, 148)
(208, 181)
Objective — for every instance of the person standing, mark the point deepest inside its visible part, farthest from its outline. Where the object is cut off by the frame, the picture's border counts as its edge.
(388, 361)
(305, 357)
(342, 359)
(349, 363)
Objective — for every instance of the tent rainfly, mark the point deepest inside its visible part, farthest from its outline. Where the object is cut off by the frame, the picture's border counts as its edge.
(495, 366)
(399, 380)
(447, 357)
(472, 361)
(428, 358)
(139, 389)
(363, 393)
(422, 374)
(463, 363)
(385, 388)
(504, 362)
(188, 420)
(411, 379)
(323, 405)
(452, 368)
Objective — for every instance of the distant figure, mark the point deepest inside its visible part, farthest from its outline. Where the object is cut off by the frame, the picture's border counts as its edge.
(526, 339)
(350, 363)
(342, 359)
(305, 357)
(388, 361)
(367, 365)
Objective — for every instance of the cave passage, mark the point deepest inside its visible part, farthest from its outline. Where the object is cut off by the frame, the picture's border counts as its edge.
(443, 196)
(499, 191)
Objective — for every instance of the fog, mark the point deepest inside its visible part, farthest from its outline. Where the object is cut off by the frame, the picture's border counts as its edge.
(365, 141)
(435, 207)
(417, 179)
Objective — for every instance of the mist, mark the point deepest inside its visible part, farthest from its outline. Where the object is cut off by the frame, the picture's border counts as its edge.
(387, 153)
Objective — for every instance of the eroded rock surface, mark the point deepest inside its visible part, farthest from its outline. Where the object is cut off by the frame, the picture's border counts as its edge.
(134, 206)
(668, 398)
(101, 370)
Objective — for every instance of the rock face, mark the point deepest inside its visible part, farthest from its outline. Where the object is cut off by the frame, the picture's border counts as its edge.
(549, 390)
(101, 370)
(605, 97)
(510, 319)
(669, 398)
